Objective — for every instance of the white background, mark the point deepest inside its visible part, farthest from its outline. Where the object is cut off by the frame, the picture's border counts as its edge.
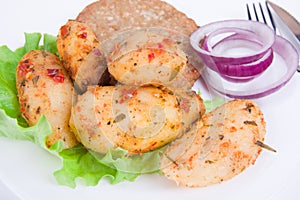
(26, 170)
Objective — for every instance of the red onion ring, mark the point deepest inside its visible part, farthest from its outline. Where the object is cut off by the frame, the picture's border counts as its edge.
(214, 41)
(250, 70)
(234, 34)
(261, 86)
(239, 74)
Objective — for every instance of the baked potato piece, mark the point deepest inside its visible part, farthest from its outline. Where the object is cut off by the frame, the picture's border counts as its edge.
(136, 119)
(44, 88)
(80, 53)
(146, 57)
(220, 146)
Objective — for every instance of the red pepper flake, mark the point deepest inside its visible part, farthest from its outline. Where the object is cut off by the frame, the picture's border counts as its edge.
(151, 56)
(153, 144)
(233, 129)
(52, 72)
(24, 67)
(82, 28)
(64, 31)
(82, 35)
(192, 157)
(168, 41)
(225, 145)
(239, 155)
(160, 45)
(56, 75)
(127, 94)
(59, 78)
(22, 105)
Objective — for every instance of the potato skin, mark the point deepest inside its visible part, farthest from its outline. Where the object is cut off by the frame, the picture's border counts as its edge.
(136, 119)
(44, 88)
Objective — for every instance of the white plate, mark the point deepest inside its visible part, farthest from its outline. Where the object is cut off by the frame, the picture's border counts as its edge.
(26, 170)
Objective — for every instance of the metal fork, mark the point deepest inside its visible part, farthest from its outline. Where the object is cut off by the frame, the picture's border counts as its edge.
(263, 14)
(268, 21)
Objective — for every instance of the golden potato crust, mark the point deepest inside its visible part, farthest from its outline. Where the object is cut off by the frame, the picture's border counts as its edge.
(136, 119)
(44, 88)
(75, 41)
(147, 57)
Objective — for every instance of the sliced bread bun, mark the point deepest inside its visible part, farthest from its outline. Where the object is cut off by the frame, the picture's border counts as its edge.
(106, 17)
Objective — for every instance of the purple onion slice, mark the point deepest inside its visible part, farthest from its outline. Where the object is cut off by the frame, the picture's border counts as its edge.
(280, 71)
(236, 49)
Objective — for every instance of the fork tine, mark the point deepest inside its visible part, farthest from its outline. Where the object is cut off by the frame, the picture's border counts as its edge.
(255, 12)
(262, 13)
(271, 17)
(248, 12)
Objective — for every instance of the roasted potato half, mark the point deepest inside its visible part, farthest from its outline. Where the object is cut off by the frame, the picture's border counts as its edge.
(138, 119)
(45, 88)
(81, 55)
(221, 145)
(149, 58)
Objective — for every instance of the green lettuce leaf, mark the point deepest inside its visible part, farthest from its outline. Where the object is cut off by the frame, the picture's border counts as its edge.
(32, 41)
(215, 102)
(36, 134)
(143, 164)
(50, 43)
(8, 91)
(78, 162)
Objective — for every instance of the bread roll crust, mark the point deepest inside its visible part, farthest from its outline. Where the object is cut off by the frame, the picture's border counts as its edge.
(106, 17)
